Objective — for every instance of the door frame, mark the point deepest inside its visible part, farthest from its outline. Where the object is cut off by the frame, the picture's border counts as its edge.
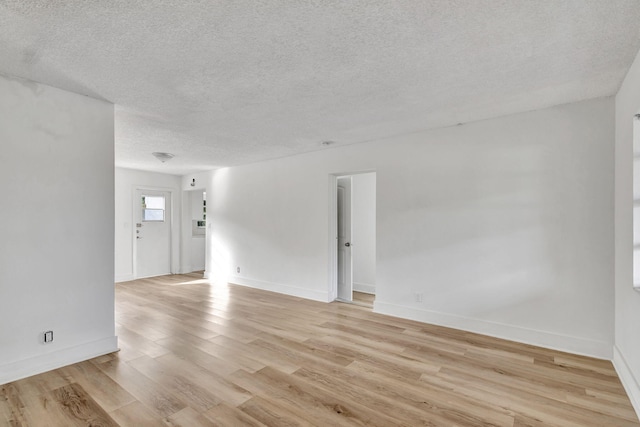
(187, 223)
(134, 242)
(345, 254)
(332, 230)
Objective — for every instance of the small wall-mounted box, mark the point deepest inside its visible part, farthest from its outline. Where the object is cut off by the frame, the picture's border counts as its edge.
(48, 337)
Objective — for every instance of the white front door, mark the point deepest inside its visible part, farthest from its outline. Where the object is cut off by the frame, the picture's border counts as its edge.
(345, 264)
(152, 233)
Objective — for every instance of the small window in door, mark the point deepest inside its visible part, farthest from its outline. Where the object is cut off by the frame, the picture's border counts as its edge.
(153, 208)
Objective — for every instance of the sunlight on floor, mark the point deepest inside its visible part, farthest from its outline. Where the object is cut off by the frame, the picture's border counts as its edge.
(218, 291)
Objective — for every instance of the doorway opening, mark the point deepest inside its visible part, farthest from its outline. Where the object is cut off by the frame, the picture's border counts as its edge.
(353, 238)
(195, 246)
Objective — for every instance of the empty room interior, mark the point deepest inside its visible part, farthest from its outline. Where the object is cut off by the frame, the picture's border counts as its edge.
(320, 213)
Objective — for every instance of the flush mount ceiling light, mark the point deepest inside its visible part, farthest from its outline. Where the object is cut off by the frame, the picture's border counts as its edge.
(163, 157)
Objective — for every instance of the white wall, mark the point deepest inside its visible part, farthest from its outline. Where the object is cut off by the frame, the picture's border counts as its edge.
(627, 301)
(126, 181)
(363, 233)
(504, 225)
(56, 257)
(270, 219)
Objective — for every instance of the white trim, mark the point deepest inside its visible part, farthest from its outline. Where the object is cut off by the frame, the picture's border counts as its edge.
(124, 278)
(48, 361)
(185, 269)
(332, 265)
(332, 285)
(154, 275)
(279, 288)
(629, 382)
(567, 343)
(364, 288)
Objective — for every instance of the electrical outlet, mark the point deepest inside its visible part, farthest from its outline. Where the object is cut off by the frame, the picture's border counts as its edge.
(48, 336)
(419, 296)
(238, 269)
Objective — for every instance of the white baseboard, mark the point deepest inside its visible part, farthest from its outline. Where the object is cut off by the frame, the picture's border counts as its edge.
(184, 269)
(279, 288)
(190, 269)
(49, 361)
(629, 382)
(124, 278)
(570, 344)
(364, 287)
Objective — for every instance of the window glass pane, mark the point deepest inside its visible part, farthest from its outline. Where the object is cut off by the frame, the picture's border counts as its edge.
(153, 215)
(154, 202)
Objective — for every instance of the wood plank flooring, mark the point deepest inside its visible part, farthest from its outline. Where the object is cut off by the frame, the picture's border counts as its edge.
(363, 299)
(193, 354)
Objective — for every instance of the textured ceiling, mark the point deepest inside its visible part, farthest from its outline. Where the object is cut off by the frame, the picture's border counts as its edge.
(220, 83)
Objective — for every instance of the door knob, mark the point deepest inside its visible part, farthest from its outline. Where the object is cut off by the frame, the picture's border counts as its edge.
(347, 244)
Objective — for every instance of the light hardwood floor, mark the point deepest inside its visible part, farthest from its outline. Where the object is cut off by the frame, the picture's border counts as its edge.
(198, 355)
(363, 299)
